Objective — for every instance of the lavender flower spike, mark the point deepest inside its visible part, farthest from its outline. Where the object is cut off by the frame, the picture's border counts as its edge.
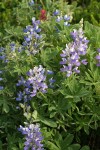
(33, 137)
(73, 55)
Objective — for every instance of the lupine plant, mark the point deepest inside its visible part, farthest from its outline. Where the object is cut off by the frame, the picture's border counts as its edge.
(50, 83)
(33, 137)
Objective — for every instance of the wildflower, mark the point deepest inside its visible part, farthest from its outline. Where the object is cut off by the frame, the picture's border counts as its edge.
(43, 15)
(1, 87)
(71, 56)
(33, 137)
(51, 82)
(66, 17)
(59, 18)
(2, 57)
(84, 61)
(98, 57)
(49, 72)
(12, 46)
(32, 33)
(21, 82)
(36, 82)
(56, 12)
(20, 95)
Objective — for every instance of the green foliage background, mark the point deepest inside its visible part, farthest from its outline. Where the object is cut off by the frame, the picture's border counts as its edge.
(75, 99)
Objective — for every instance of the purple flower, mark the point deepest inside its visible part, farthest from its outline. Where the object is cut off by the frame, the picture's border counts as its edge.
(20, 96)
(66, 17)
(1, 87)
(66, 24)
(21, 82)
(2, 57)
(55, 13)
(12, 46)
(37, 29)
(59, 18)
(98, 64)
(71, 56)
(50, 72)
(98, 50)
(33, 137)
(51, 82)
(32, 33)
(98, 57)
(84, 61)
(76, 70)
(36, 82)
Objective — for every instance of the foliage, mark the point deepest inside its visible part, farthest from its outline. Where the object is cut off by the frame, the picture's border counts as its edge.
(35, 89)
(88, 10)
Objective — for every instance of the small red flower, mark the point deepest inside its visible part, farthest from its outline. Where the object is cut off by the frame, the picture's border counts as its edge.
(43, 14)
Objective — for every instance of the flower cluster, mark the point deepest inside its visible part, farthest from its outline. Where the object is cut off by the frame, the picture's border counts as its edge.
(33, 137)
(35, 83)
(73, 53)
(32, 37)
(98, 57)
(59, 16)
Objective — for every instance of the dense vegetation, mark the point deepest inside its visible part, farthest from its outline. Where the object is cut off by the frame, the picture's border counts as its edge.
(50, 75)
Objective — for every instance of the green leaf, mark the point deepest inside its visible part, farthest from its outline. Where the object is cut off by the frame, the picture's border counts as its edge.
(86, 129)
(96, 74)
(51, 146)
(85, 148)
(93, 32)
(34, 114)
(67, 141)
(89, 77)
(4, 103)
(5, 108)
(48, 122)
(74, 147)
